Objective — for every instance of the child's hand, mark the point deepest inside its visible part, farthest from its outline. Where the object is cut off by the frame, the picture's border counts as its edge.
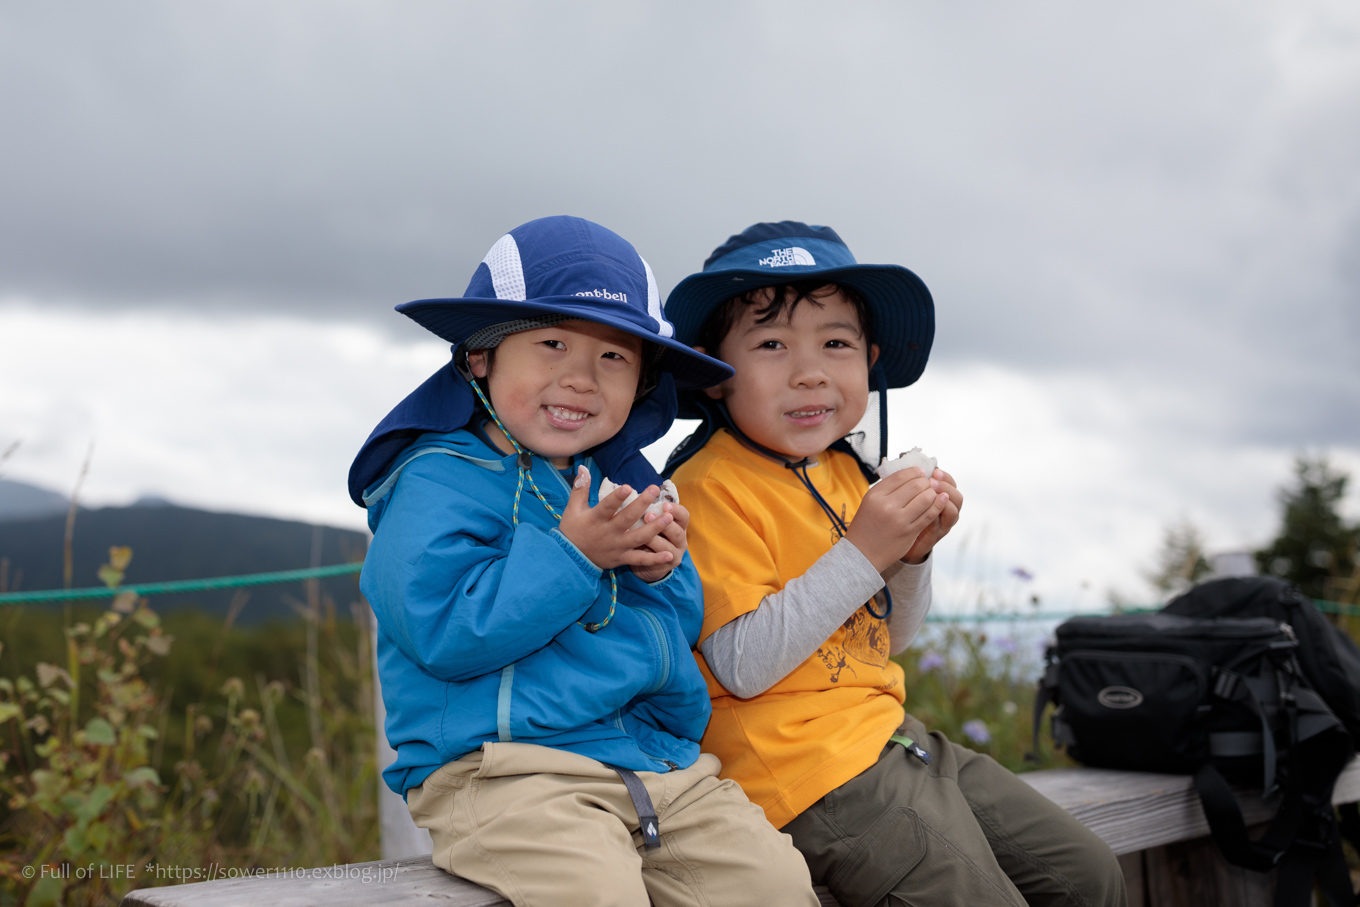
(672, 539)
(604, 534)
(895, 513)
(940, 481)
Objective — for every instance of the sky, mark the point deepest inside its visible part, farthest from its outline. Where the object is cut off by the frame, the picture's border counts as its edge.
(1140, 225)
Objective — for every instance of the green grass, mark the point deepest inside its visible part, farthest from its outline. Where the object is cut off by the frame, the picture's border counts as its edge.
(128, 739)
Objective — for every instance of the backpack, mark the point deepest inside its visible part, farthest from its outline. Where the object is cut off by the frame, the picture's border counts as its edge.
(1224, 699)
(1330, 660)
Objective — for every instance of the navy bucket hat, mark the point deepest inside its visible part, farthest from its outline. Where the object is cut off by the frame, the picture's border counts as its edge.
(566, 266)
(769, 254)
(555, 268)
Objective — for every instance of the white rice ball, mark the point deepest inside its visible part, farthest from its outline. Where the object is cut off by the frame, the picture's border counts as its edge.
(668, 495)
(913, 457)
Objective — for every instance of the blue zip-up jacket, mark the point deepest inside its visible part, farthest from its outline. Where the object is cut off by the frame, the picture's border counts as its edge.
(478, 634)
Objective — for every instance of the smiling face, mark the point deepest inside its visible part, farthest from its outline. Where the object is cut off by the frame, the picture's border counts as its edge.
(561, 390)
(802, 379)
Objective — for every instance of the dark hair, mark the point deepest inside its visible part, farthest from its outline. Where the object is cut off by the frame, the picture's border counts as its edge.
(786, 298)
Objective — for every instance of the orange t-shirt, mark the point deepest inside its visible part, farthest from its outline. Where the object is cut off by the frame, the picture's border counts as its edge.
(753, 527)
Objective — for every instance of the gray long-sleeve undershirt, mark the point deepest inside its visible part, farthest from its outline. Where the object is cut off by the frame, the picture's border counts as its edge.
(753, 652)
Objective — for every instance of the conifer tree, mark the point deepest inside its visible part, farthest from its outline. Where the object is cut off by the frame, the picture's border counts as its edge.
(1314, 542)
(1180, 562)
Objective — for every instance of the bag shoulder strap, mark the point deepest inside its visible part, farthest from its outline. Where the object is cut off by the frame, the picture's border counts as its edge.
(1047, 692)
(1302, 839)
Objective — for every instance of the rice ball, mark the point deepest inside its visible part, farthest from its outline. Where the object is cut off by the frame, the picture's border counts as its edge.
(913, 457)
(668, 495)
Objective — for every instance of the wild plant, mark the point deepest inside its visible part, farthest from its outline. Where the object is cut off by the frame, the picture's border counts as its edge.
(979, 691)
(94, 813)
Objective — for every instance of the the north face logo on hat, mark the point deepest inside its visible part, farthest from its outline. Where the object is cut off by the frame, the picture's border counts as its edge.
(783, 258)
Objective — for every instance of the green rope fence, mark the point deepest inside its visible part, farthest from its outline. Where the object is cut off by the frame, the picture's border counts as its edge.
(293, 576)
(182, 585)
(1321, 605)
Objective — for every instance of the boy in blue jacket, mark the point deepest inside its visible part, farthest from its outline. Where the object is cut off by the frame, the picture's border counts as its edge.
(534, 640)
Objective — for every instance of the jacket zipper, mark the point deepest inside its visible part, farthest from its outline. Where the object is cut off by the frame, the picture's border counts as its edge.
(665, 673)
(618, 723)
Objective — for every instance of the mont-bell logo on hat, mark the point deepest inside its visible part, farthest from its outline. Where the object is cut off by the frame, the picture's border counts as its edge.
(604, 294)
(783, 258)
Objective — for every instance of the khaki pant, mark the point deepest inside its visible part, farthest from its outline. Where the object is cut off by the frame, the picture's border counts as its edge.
(546, 828)
(962, 830)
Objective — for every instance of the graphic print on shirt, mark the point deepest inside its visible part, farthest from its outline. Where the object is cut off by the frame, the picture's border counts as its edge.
(836, 534)
(866, 638)
(835, 659)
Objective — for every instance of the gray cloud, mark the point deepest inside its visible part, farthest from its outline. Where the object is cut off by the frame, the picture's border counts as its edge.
(1167, 194)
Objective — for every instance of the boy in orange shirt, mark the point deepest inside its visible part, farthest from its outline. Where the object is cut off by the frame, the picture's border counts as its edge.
(813, 578)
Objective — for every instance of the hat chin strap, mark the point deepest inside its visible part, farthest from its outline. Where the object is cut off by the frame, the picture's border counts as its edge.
(524, 458)
(880, 377)
(800, 467)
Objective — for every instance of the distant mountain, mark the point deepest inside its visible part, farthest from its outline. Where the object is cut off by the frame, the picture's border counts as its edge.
(21, 501)
(175, 543)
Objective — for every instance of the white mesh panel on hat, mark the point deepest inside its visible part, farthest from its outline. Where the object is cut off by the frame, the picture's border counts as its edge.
(654, 302)
(865, 439)
(507, 274)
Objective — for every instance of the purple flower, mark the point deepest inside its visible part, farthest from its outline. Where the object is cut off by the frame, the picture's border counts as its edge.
(1006, 644)
(976, 731)
(930, 661)
(1022, 574)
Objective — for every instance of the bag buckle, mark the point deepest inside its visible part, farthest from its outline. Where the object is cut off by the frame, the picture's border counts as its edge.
(1225, 685)
(911, 746)
(1315, 830)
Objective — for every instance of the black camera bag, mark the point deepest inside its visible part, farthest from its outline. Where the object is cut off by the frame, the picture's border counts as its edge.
(1330, 660)
(1222, 699)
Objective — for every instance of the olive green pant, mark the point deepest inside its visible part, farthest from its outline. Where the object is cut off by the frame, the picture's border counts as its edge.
(961, 830)
(547, 828)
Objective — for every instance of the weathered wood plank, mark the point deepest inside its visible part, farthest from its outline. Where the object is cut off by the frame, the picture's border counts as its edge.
(1194, 874)
(400, 883)
(1131, 864)
(414, 882)
(1133, 811)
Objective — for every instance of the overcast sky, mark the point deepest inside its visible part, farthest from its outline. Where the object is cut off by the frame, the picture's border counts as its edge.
(1141, 226)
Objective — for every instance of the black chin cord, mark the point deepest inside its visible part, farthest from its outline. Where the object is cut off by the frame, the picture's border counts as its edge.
(799, 468)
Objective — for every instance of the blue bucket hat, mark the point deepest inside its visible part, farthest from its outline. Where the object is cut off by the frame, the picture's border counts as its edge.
(769, 254)
(550, 269)
(566, 266)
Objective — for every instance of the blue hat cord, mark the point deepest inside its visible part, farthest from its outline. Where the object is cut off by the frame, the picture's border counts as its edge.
(715, 416)
(712, 416)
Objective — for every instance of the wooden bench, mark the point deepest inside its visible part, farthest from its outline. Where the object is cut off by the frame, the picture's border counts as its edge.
(1156, 827)
(1152, 822)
